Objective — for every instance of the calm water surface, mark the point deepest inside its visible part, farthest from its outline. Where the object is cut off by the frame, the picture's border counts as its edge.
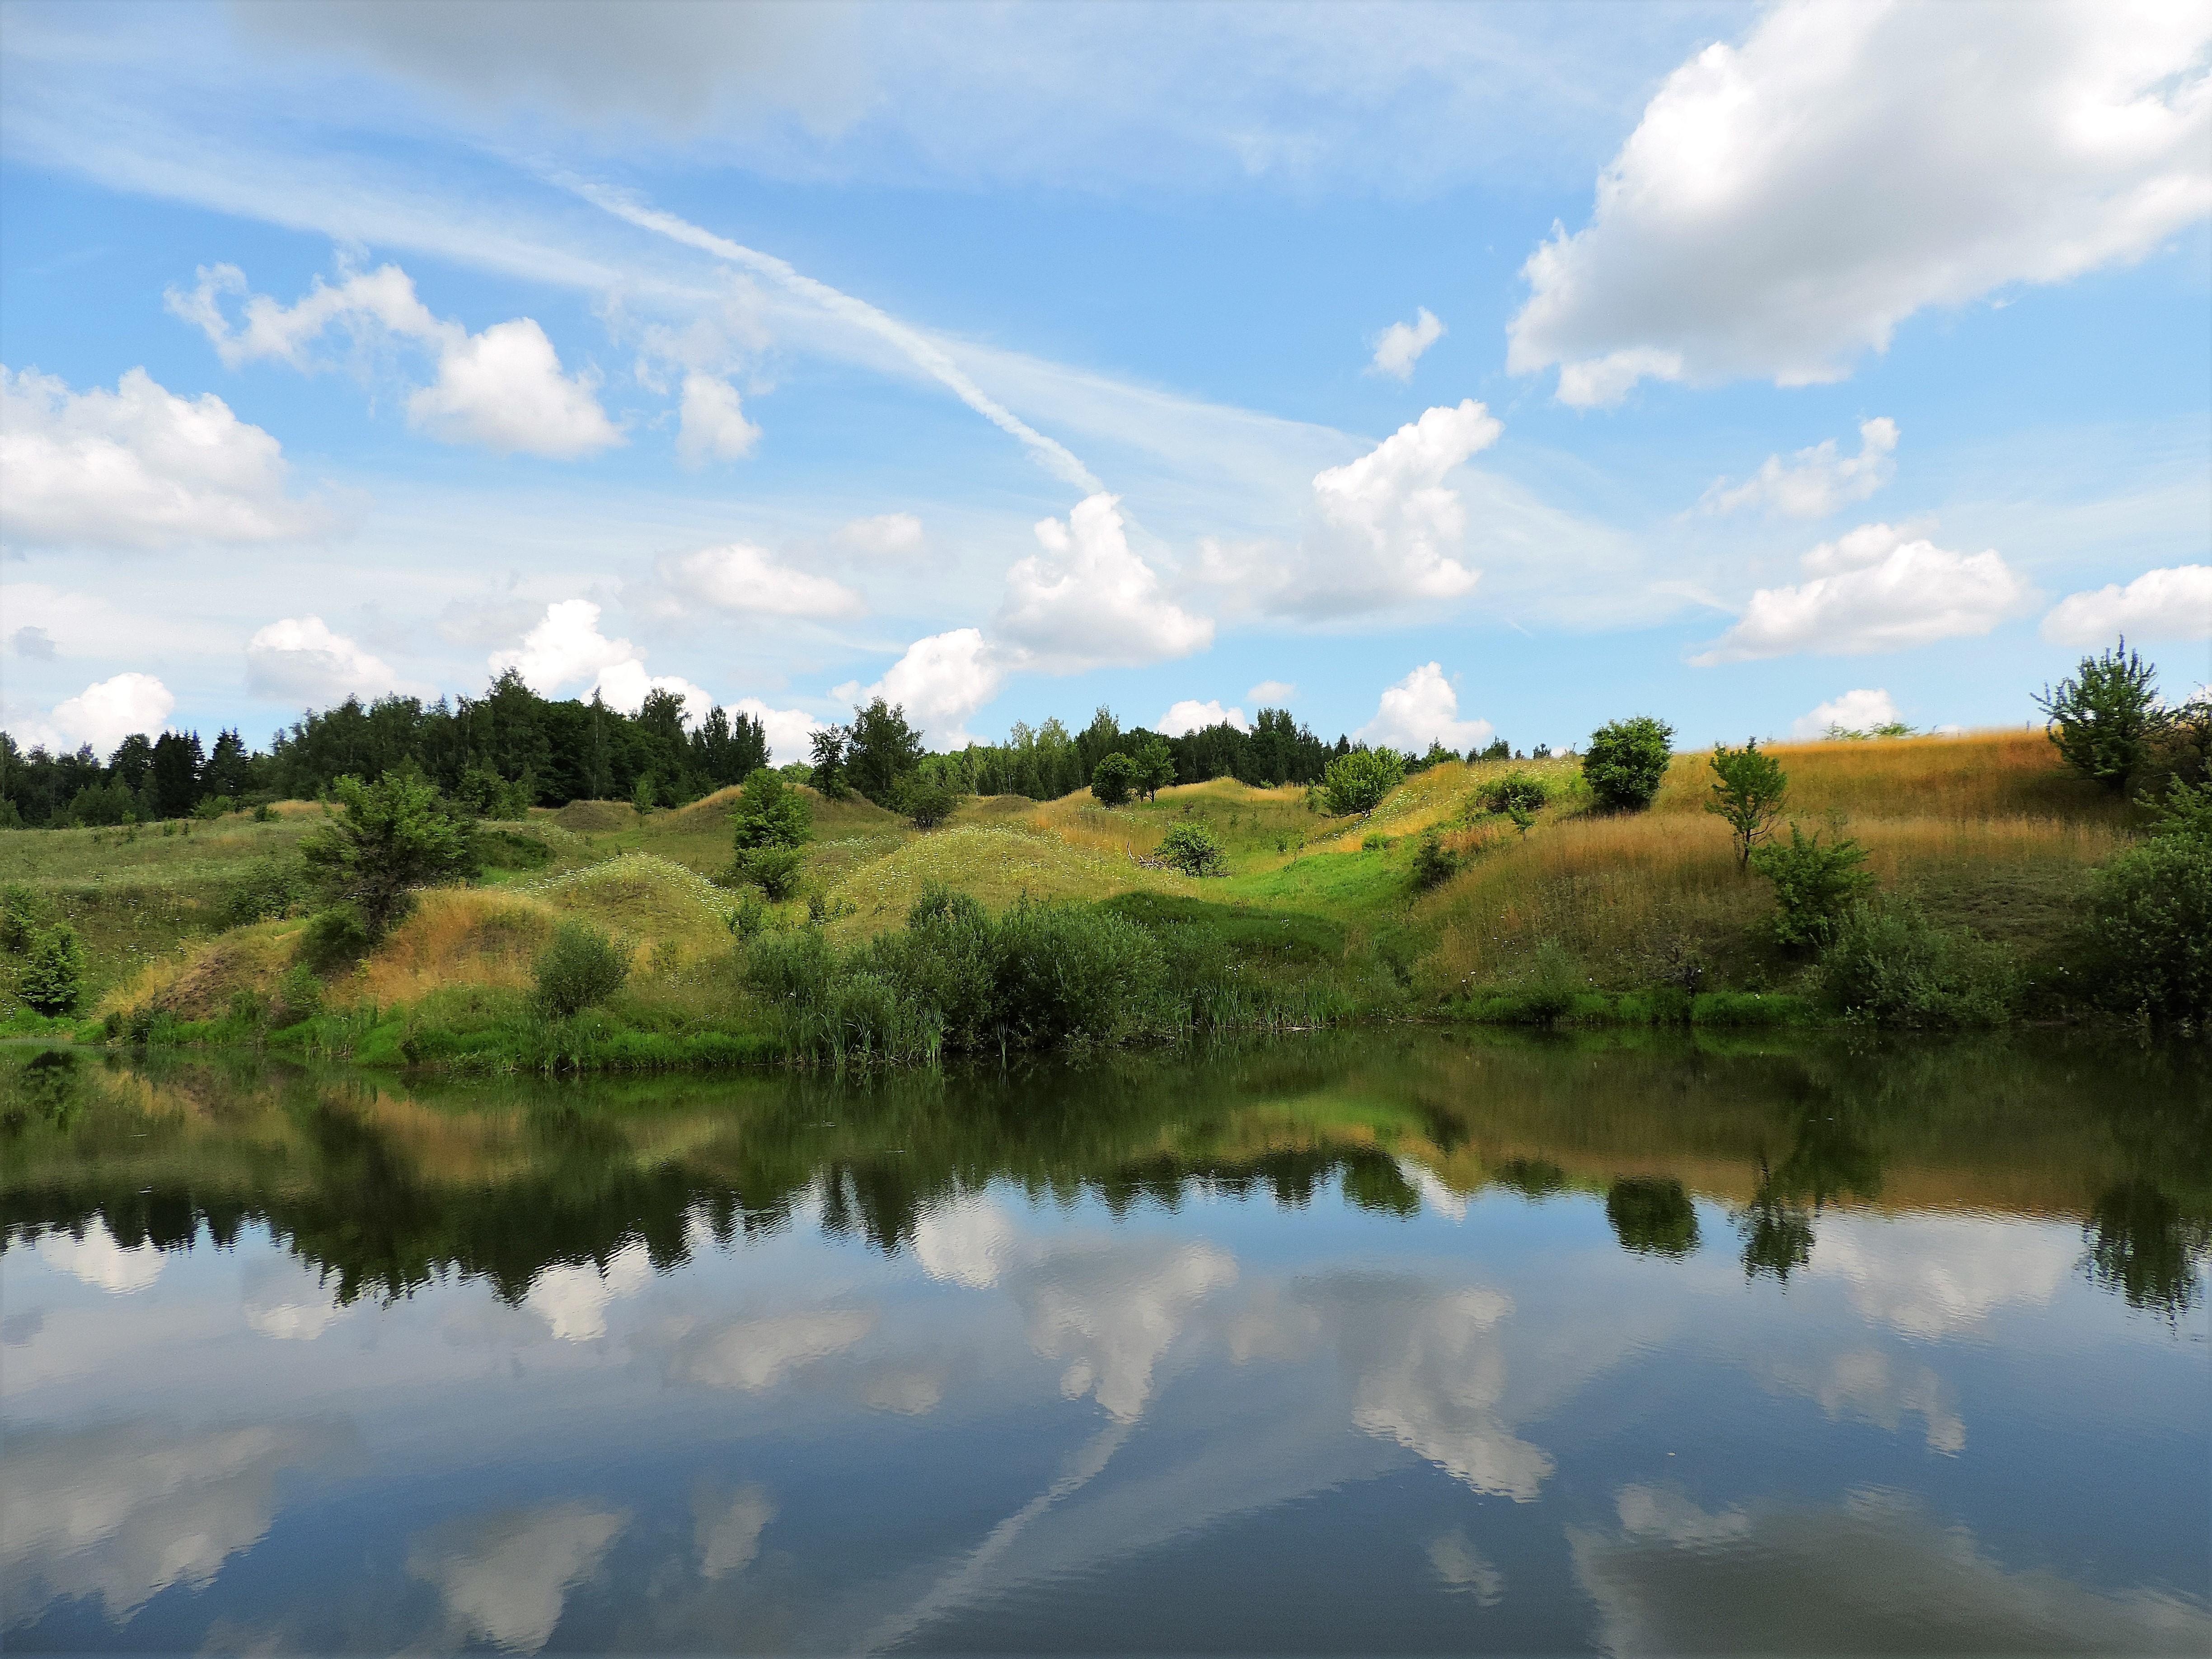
(1371, 1343)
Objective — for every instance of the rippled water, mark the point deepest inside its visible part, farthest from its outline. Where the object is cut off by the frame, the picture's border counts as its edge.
(1365, 1344)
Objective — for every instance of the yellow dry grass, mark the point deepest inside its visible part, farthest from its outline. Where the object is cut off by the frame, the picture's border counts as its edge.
(455, 936)
(645, 899)
(198, 981)
(1987, 827)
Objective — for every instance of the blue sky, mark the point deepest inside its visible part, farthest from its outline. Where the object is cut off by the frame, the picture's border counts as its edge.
(1754, 367)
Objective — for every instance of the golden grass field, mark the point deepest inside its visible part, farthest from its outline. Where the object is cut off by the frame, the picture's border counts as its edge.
(1985, 829)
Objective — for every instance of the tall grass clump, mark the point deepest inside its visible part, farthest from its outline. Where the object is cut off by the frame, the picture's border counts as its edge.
(1888, 964)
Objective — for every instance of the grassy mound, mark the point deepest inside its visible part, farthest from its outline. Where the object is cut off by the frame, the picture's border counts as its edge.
(997, 866)
(647, 899)
(595, 818)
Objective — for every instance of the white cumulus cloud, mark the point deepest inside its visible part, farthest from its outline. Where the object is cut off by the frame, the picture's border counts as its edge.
(2159, 605)
(1787, 202)
(1878, 588)
(1854, 711)
(1816, 482)
(1272, 693)
(567, 647)
(787, 730)
(743, 577)
(941, 681)
(714, 424)
(1089, 600)
(300, 659)
(1420, 710)
(1400, 346)
(137, 467)
(1387, 532)
(503, 388)
(102, 715)
(1192, 715)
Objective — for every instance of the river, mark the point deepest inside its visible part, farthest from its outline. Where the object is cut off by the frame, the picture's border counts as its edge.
(1395, 1341)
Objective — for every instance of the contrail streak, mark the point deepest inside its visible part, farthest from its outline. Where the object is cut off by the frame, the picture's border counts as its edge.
(917, 347)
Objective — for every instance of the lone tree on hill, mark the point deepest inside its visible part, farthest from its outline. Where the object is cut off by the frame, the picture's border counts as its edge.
(396, 834)
(1115, 779)
(1626, 762)
(1156, 767)
(1748, 789)
(880, 748)
(1355, 784)
(2104, 716)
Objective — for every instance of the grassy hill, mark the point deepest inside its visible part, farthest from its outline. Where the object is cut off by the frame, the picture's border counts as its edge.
(1986, 831)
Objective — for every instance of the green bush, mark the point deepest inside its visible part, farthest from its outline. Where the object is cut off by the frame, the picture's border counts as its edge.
(507, 850)
(269, 888)
(1434, 864)
(774, 869)
(2104, 717)
(580, 968)
(1813, 884)
(925, 800)
(51, 980)
(750, 914)
(298, 996)
(1115, 779)
(2151, 916)
(1191, 848)
(334, 938)
(18, 918)
(769, 812)
(1354, 785)
(1515, 790)
(396, 834)
(1888, 963)
(1626, 761)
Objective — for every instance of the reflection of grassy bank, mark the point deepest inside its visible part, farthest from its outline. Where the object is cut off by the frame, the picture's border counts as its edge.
(387, 1187)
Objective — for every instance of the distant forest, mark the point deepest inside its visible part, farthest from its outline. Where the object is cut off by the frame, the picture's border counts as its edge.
(511, 748)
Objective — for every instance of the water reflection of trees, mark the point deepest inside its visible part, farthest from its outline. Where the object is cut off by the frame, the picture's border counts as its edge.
(385, 1190)
(2142, 1246)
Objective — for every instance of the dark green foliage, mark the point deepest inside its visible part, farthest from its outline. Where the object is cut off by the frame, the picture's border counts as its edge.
(1435, 755)
(770, 813)
(1496, 749)
(333, 938)
(1114, 780)
(1434, 864)
(827, 773)
(51, 978)
(483, 794)
(1355, 784)
(1156, 765)
(268, 889)
(1651, 1216)
(580, 968)
(393, 835)
(749, 915)
(1814, 884)
(2142, 1246)
(2181, 750)
(2151, 916)
(1887, 964)
(775, 870)
(2103, 717)
(880, 748)
(1191, 848)
(1626, 761)
(507, 849)
(925, 800)
(18, 918)
(176, 769)
(1747, 791)
(1515, 790)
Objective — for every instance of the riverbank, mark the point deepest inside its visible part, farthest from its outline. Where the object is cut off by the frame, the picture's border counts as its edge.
(1437, 905)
